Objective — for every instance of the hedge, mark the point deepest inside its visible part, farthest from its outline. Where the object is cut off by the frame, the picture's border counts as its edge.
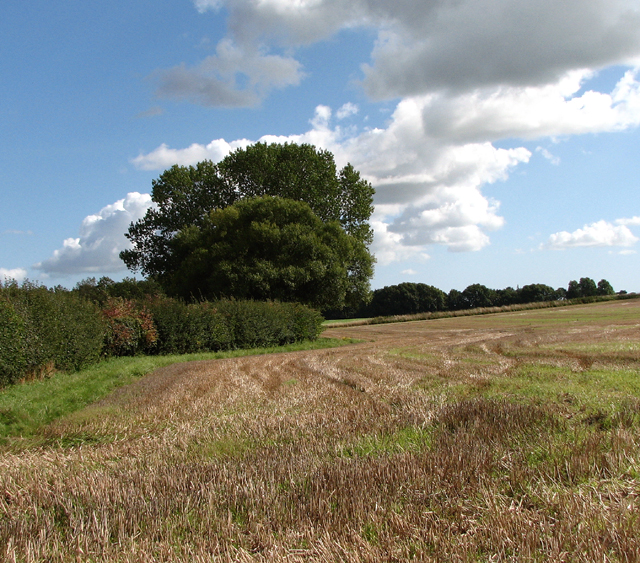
(43, 330)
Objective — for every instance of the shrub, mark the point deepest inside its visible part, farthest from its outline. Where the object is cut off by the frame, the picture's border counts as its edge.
(130, 328)
(187, 328)
(12, 356)
(45, 329)
(227, 324)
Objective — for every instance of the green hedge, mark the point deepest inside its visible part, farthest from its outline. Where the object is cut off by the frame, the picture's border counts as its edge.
(225, 325)
(43, 330)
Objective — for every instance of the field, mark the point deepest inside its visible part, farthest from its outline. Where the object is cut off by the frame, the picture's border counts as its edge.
(506, 437)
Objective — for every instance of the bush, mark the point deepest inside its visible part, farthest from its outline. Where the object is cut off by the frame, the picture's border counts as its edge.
(12, 354)
(188, 328)
(223, 325)
(45, 329)
(42, 330)
(130, 329)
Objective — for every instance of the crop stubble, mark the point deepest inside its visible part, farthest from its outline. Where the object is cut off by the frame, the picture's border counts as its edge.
(506, 437)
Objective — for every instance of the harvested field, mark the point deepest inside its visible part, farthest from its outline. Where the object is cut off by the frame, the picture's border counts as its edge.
(508, 437)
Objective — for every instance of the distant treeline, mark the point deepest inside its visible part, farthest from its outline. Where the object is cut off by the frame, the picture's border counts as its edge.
(43, 330)
(413, 298)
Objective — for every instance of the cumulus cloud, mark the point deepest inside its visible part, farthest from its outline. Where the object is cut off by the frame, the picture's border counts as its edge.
(17, 274)
(164, 157)
(426, 47)
(347, 110)
(101, 240)
(466, 75)
(635, 221)
(233, 77)
(461, 46)
(601, 233)
(434, 158)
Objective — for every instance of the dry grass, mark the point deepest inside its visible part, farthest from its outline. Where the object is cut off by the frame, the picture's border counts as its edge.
(511, 437)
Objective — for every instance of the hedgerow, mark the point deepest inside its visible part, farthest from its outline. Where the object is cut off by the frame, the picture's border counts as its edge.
(43, 330)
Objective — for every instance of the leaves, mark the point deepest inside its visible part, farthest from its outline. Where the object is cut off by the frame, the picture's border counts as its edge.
(188, 198)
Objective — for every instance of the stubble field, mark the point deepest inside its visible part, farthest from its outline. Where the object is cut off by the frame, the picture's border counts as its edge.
(507, 437)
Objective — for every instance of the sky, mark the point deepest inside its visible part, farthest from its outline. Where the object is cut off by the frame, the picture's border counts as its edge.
(501, 136)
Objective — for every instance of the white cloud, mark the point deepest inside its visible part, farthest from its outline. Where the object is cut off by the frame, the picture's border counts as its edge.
(426, 47)
(601, 233)
(635, 221)
(347, 110)
(409, 272)
(388, 247)
(214, 82)
(555, 160)
(164, 157)
(151, 112)
(101, 239)
(17, 274)
(16, 232)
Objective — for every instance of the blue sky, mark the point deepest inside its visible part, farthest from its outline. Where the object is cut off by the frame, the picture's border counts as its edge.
(501, 136)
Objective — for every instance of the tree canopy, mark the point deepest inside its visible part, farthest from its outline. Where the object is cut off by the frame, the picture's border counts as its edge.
(264, 248)
(184, 198)
(406, 299)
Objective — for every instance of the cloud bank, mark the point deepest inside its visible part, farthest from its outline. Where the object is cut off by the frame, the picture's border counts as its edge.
(429, 165)
(101, 239)
(598, 234)
(17, 274)
(421, 47)
(463, 75)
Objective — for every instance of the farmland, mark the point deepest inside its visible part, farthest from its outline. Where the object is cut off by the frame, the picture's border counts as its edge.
(502, 437)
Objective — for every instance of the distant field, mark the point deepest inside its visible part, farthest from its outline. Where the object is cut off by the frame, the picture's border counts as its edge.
(504, 437)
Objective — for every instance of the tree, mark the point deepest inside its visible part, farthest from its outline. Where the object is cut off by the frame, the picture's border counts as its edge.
(535, 292)
(478, 295)
(405, 299)
(605, 288)
(454, 300)
(507, 296)
(184, 197)
(265, 248)
(573, 290)
(588, 287)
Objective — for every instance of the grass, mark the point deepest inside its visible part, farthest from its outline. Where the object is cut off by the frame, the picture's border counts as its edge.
(510, 437)
(27, 407)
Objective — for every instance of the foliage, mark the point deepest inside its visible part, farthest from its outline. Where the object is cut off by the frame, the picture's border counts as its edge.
(586, 287)
(129, 288)
(264, 248)
(605, 288)
(406, 299)
(185, 196)
(45, 329)
(535, 292)
(223, 325)
(477, 295)
(130, 329)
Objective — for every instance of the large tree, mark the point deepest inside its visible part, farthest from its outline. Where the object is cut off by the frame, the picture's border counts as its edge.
(264, 248)
(185, 196)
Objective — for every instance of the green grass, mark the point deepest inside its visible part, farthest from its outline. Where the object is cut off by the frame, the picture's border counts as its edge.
(409, 439)
(27, 407)
(342, 321)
